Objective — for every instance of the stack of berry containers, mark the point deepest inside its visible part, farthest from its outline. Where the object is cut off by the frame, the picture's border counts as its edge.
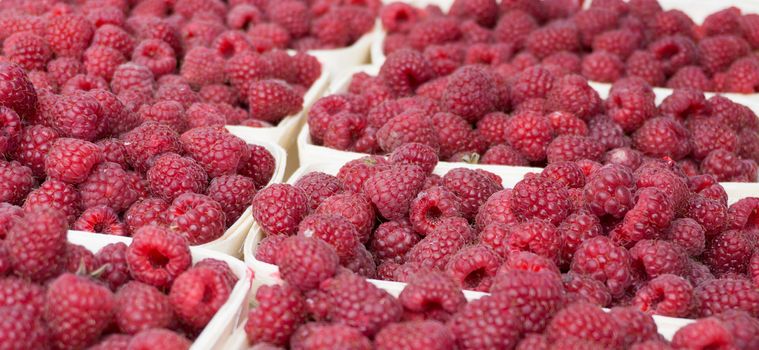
(268, 274)
(226, 319)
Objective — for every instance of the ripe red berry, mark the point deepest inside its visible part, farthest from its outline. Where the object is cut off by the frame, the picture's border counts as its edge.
(157, 256)
(306, 261)
(280, 311)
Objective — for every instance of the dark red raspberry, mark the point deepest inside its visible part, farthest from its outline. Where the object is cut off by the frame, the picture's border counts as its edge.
(280, 310)
(157, 256)
(108, 184)
(527, 261)
(470, 93)
(347, 293)
(8, 214)
(170, 113)
(718, 52)
(306, 261)
(514, 26)
(150, 211)
(68, 34)
(204, 115)
(470, 326)
(22, 329)
(328, 336)
(268, 248)
(18, 92)
(335, 230)
(217, 150)
(688, 234)
(197, 218)
(272, 100)
(709, 213)
(743, 76)
(719, 295)
(652, 213)
(565, 173)
(730, 251)
(354, 207)
(530, 134)
(112, 259)
(536, 296)
(565, 123)
(690, 77)
(260, 166)
(132, 76)
(503, 154)
(19, 292)
(234, 193)
(574, 230)
(654, 258)
(582, 288)
(496, 209)
(404, 70)
(164, 338)
(587, 322)
(197, 294)
(409, 126)
(704, 333)
(148, 140)
(115, 37)
(36, 243)
(202, 66)
(319, 186)
(391, 240)
(742, 326)
(55, 194)
(28, 50)
(674, 52)
(77, 259)
(17, 181)
(555, 37)
(601, 259)
(392, 191)
(415, 154)
(471, 187)
(662, 137)
(437, 248)
(414, 334)
(431, 295)
(398, 17)
(742, 214)
(172, 175)
(645, 65)
(536, 236)
(636, 326)
(77, 310)
(180, 92)
(140, 306)
(430, 206)
(573, 148)
(102, 61)
(362, 263)
(474, 267)
(533, 82)
(10, 131)
(666, 295)
(602, 66)
(573, 94)
(723, 164)
(78, 116)
(100, 219)
(540, 198)
(279, 208)
(496, 235)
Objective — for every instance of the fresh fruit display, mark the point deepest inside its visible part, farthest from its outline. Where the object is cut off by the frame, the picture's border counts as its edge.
(649, 236)
(146, 295)
(604, 42)
(527, 309)
(534, 118)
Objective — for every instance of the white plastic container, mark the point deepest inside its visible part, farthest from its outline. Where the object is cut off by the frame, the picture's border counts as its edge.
(226, 319)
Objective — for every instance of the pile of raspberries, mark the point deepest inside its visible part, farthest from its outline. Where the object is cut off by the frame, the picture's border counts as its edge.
(70, 152)
(533, 118)
(58, 295)
(609, 40)
(649, 237)
(323, 306)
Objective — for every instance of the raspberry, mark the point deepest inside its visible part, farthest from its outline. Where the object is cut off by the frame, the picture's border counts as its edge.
(347, 293)
(398, 17)
(704, 333)
(430, 206)
(112, 258)
(260, 166)
(68, 35)
(147, 141)
(573, 94)
(604, 261)
(77, 311)
(533, 82)
(587, 322)
(581, 288)
(8, 214)
(471, 325)
(707, 137)
(268, 248)
(409, 126)
(28, 50)
(404, 70)
(729, 251)
(594, 21)
(149, 211)
(156, 55)
(306, 261)
(471, 187)
(513, 27)
(527, 261)
(108, 184)
(662, 137)
(391, 241)
(724, 165)
(272, 100)
(535, 295)
(415, 154)
(197, 294)
(163, 338)
(534, 341)
(574, 230)
(742, 326)
(280, 310)
(414, 334)
(718, 52)
(666, 295)
(10, 131)
(35, 246)
(636, 326)
(536, 236)
(17, 181)
(529, 134)
(432, 295)
(279, 208)
(140, 307)
(356, 208)
(690, 77)
(157, 256)
(329, 336)
(18, 92)
(217, 150)
(503, 155)
(555, 37)
(102, 61)
(572, 148)
(57, 195)
(197, 218)
(470, 93)
(496, 209)
(742, 214)
(112, 36)
(132, 76)
(646, 66)
(22, 329)
(319, 186)
(474, 267)
(709, 213)
(18, 292)
(688, 234)
(437, 248)
(655, 258)
(233, 192)
(100, 219)
(620, 43)
(540, 198)
(393, 190)
(332, 229)
(719, 295)
(362, 263)
(172, 175)
(170, 113)
(602, 66)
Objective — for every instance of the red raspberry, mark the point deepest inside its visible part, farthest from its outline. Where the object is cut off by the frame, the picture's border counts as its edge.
(536, 236)
(415, 154)
(140, 307)
(71, 160)
(575, 229)
(272, 100)
(645, 65)
(722, 164)
(742, 326)
(157, 256)
(78, 258)
(77, 311)
(533, 82)
(19, 292)
(170, 113)
(362, 263)
(414, 334)
(392, 240)
(722, 22)
(743, 75)
(401, 183)
(573, 94)
(132, 76)
(150, 211)
(398, 17)
(306, 261)
(108, 184)
(217, 150)
(197, 294)
(260, 166)
(690, 77)
(323, 111)
(83, 83)
(674, 52)
(148, 140)
(156, 55)
(707, 137)
(291, 15)
(470, 93)
(347, 293)
(704, 333)
(69, 35)
(280, 310)
(530, 134)
(585, 322)
(496, 235)
(55, 194)
(474, 267)
(527, 261)
(603, 66)
(202, 66)
(102, 61)
(354, 207)
(430, 206)
(28, 50)
(22, 329)
(319, 186)
(655, 258)
(203, 115)
(688, 234)
(470, 326)
(410, 126)
(568, 174)
(666, 295)
(234, 193)
(594, 21)
(503, 155)
(730, 251)
(17, 181)
(471, 187)
(582, 288)
(513, 27)
(535, 197)
(404, 70)
(604, 261)
(555, 37)
(279, 208)
(496, 209)
(163, 338)
(535, 295)
(328, 336)
(718, 52)
(709, 213)
(355, 173)
(435, 30)
(431, 295)
(437, 248)
(335, 230)
(18, 92)
(172, 175)
(268, 248)
(197, 218)
(672, 22)
(742, 214)
(720, 295)
(8, 214)
(10, 131)
(637, 327)
(618, 42)
(662, 137)
(114, 37)
(100, 219)
(573, 148)
(563, 62)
